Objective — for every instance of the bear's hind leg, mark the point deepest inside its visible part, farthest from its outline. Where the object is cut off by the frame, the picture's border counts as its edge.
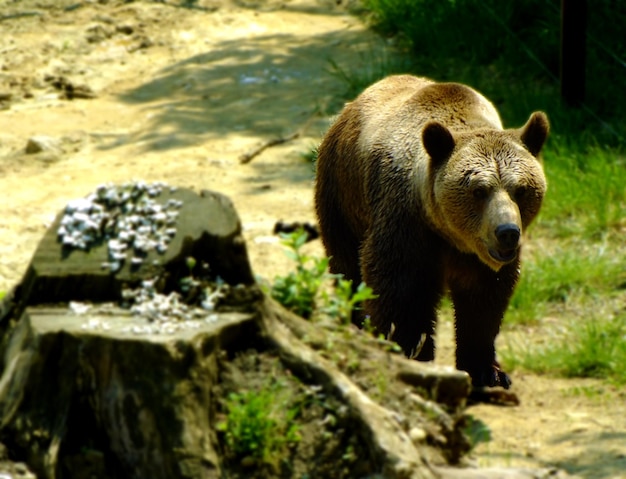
(409, 289)
(342, 248)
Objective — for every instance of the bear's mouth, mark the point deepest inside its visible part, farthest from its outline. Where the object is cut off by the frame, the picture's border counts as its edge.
(503, 256)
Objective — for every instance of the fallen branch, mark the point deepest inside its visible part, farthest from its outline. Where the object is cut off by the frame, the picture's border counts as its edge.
(248, 157)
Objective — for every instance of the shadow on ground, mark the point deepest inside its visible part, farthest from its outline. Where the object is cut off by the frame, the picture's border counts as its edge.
(601, 459)
(267, 86)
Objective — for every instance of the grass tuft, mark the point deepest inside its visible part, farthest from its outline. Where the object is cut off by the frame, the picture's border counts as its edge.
(575, 273)
(595, 348)
(259, 425)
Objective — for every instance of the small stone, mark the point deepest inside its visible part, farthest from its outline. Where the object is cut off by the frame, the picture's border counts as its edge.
(417, 434)
(125, 29)
(98, 33)
(79, 308)
(37, 144)
(115, 266)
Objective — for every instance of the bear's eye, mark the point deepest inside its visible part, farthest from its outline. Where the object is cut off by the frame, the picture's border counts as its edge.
(521, 192)
(480, 193)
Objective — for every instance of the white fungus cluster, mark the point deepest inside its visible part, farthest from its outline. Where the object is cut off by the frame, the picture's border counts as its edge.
(132, 223)
(147, 302)
(165, 314)
(169, 313)
(127, 217)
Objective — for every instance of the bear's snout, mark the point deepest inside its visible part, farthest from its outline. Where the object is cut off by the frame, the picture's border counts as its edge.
(508, 236)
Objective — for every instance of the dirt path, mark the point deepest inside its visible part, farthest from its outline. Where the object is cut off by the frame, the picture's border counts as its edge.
(180, 95)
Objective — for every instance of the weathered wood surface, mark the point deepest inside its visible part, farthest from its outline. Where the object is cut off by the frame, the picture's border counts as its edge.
(142, 402)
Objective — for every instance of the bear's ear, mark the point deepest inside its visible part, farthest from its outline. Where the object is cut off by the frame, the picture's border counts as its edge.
(438, 142)
(535, 132)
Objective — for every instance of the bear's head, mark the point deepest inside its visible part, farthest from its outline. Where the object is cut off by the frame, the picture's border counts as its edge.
(486, 186)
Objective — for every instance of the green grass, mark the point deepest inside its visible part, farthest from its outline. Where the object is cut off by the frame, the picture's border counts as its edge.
(594, 348)
(476, 431)
(300, 289)
(586, 193)
(577, 272)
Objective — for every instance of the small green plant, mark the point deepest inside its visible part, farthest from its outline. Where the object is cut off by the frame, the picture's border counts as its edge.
(299, 289)
(342, 301)
(381, 381)
(310, 156)
(260, 424)
(308, 290)
(476, 431)
(188, 282)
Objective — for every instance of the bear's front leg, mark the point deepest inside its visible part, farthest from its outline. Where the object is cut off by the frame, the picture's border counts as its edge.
(409, 289)
(480, 301)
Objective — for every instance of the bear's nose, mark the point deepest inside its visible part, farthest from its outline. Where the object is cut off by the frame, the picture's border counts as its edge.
(508, 236)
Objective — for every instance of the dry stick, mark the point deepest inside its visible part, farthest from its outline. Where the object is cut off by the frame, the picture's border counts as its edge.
(248, 157)
(11, 16)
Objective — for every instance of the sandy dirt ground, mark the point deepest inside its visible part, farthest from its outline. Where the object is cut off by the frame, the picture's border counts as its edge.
(179, 92)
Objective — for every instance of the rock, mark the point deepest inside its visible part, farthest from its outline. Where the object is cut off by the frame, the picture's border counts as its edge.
(42, 143)
(417, 434)
(5, 100)
(10, 469)
(125, 29)
(68, 89)
(98, 33)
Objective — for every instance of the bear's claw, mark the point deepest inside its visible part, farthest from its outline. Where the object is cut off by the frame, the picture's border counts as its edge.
(413, 353)
(493, 377)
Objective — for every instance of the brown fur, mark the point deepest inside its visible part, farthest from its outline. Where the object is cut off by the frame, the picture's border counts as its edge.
(419, 190)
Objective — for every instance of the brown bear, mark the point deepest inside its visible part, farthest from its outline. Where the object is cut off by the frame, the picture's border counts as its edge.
(420, 191)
